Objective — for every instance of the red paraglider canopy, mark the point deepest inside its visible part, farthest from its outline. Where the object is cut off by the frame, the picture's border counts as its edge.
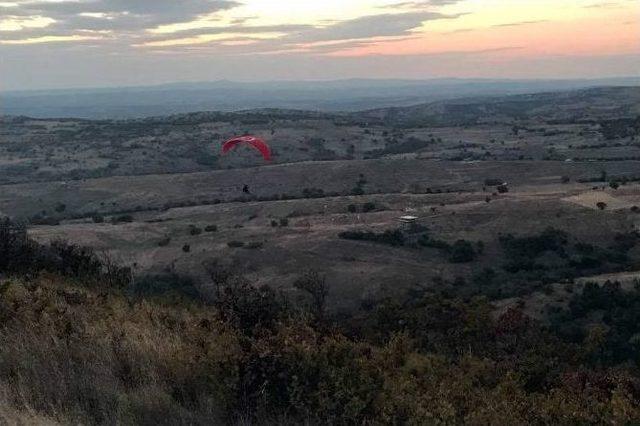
(254, 141)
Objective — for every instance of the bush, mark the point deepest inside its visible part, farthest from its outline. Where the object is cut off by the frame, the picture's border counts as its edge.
(97, 218)
(127, 218)
(314, 284)
(194, 230)
(462, 251)
(312, 193)
(235, 244)
(46, 221)
(426, 241)
(163, 284)
(254, 245)
(390, 237)
(352, 208)
(368, 207)
(21, 255)
(412, 144)
(186, 248)
(284, 222)
(358, 190)
(164, 242)
(211, 228)
(493, 182)
(532, 246)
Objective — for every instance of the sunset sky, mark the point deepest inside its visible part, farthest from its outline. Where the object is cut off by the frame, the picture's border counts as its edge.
(55, 44)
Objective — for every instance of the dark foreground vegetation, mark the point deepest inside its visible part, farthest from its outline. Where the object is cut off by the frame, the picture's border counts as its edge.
(83, 341)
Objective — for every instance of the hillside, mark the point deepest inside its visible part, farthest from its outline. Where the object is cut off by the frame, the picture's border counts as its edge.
(472, 261)
(91, 347)
(157, 194)
(588, 125)
(586, 105)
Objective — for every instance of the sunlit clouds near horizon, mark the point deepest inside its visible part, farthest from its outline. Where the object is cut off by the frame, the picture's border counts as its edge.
(48, 44)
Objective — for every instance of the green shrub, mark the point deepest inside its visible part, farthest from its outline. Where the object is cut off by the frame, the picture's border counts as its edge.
(391, 237)
(127, 218)
(158, 285)
(462, 251)
(357, 190)
(97, 218)
(194, 230)
(44, 220)
(312, 193)
(368, 207)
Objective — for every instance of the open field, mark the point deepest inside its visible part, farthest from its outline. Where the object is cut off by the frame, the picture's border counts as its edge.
(274, 255)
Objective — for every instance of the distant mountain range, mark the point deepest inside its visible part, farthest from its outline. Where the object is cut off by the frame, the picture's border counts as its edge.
(340, 95)
(590, 104)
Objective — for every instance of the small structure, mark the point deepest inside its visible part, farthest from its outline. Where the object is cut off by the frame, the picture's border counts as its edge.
(410, 224)
(409, 220)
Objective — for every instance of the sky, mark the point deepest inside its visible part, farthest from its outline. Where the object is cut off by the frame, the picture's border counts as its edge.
(101, 43)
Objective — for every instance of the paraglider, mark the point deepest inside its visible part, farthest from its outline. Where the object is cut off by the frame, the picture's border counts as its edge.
(253, 141)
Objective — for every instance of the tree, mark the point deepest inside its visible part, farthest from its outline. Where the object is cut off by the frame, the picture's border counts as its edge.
(601, 205)
(603, 176)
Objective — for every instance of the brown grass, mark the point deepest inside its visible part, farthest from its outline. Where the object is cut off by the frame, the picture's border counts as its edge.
(96, 358)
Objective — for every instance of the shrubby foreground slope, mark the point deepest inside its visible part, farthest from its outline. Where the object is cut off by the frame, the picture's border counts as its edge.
(85, 345)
